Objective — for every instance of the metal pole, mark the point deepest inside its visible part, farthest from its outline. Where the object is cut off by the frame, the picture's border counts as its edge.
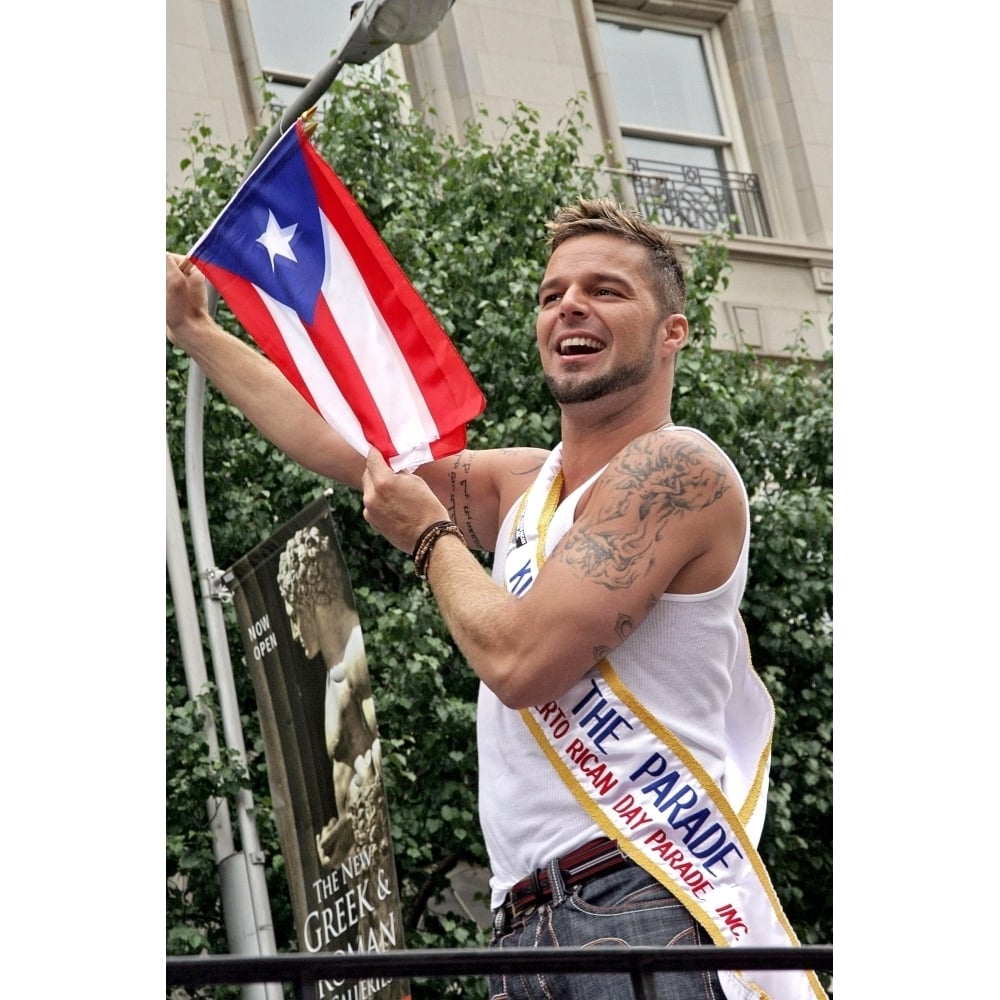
(245, 906)
(194, 662)
(259, 940)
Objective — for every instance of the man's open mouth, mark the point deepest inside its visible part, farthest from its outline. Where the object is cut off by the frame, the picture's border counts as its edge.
(572, 346)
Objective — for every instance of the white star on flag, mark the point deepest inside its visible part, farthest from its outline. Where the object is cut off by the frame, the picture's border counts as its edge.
(277, 240)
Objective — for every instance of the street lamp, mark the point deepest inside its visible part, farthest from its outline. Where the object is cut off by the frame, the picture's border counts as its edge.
(376, 26)
(394, 21)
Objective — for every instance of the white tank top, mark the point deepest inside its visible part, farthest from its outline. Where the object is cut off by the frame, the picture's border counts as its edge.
(678, 664)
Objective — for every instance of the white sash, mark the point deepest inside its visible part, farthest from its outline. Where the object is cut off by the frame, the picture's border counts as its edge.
(662, 807)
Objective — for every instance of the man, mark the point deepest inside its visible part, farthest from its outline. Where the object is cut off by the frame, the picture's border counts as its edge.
(620, 561)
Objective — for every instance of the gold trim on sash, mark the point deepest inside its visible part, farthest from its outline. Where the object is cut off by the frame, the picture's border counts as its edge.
(548, 512)
(753, 795)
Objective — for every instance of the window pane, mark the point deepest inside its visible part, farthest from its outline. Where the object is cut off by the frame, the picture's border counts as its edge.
(671, 152)
(298, 36)
(660, 79)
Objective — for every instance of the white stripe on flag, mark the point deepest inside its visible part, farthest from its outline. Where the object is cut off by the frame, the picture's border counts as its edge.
(376, 353)
(329, 399)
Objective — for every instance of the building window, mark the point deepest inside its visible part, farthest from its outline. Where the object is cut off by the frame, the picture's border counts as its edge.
(295, 40)
(297, 37)
(679, 155)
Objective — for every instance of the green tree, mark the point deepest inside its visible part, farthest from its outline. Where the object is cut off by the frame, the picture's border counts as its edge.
(465, 218)
(774, 417)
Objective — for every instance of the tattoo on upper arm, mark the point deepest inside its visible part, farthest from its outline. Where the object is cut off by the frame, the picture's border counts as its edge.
(624, 625)
(654, 482)
(526, 469)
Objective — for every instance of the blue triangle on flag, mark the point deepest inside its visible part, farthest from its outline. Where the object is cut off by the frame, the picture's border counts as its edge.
(270, 233)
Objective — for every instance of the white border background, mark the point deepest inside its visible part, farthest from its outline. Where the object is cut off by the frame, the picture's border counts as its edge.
(916, 507)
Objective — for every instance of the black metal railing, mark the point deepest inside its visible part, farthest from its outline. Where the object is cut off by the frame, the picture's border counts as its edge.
(305, 972)
(673, 194)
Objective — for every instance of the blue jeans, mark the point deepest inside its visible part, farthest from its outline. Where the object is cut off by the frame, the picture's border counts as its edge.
(625, 907)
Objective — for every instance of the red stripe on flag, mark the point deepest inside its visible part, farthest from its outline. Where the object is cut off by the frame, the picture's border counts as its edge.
(449, 444)
(249, 308)
(339, 361)
(449, 389)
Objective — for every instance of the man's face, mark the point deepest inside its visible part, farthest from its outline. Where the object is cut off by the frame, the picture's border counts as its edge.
(598, 322)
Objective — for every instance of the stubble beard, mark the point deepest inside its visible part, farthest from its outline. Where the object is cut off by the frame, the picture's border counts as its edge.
(584, 390)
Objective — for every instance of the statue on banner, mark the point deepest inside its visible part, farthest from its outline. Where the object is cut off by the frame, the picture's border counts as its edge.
(324, 622)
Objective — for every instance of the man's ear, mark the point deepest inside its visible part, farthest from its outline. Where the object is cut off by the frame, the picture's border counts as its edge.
(674, 331)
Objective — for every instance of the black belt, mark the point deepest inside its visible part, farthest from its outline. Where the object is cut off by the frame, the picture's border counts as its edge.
(594, 858)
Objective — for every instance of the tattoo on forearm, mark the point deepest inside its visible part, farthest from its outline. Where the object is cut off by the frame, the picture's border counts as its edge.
(656, 482)
(459, 499)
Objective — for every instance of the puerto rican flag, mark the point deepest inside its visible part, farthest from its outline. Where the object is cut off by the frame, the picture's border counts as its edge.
(313, 284)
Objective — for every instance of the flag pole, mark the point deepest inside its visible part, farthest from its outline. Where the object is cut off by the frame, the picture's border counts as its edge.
(380, 24)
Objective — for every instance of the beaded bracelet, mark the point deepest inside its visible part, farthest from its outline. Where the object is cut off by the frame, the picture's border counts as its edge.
(426, 542)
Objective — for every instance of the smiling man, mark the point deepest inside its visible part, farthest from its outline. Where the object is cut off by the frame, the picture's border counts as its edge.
(623, 736)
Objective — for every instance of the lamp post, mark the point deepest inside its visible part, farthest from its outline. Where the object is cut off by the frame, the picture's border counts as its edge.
(378, 25)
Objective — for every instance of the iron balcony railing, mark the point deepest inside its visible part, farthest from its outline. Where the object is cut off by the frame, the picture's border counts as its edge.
(673, 194)
(305, 972)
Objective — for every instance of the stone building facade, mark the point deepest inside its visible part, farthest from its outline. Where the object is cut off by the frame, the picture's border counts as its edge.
(705, 110)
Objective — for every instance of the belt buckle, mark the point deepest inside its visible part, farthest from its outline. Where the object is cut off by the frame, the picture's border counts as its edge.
(514, 909)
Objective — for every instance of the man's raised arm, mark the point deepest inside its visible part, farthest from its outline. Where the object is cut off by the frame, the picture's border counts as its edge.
(253, 384)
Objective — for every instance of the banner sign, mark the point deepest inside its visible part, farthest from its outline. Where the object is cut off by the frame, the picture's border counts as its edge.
(304, 648)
